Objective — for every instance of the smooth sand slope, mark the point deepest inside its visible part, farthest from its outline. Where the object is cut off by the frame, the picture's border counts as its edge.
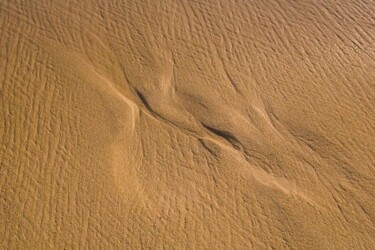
(218, 124)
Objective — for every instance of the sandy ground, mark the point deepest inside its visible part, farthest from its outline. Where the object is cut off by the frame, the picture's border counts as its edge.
(187, 124)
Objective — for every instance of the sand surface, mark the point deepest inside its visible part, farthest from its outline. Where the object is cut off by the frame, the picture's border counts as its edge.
(221, 124)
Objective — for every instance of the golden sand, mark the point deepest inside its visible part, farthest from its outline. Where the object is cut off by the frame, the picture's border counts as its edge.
(180, 124)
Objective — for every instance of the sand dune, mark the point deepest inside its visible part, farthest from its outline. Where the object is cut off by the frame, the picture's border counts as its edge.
(187, 124)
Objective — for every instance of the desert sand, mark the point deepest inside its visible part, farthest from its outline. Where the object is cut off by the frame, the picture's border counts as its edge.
(220, 124)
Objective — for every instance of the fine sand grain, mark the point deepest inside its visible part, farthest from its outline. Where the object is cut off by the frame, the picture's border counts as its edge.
(219, 124)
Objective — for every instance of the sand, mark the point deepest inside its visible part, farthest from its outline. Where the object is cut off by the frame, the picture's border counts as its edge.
(187, 124)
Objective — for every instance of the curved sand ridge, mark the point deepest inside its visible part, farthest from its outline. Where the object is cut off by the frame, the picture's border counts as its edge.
(187, 124)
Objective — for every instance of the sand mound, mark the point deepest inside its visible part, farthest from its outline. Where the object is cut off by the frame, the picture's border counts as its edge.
(187, 124)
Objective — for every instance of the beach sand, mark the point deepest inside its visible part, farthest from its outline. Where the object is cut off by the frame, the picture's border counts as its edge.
(187, 124)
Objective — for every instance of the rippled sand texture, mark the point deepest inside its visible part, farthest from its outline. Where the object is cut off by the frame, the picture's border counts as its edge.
(187, 124)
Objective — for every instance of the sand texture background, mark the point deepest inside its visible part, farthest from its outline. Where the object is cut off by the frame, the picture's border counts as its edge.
(220, 124)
